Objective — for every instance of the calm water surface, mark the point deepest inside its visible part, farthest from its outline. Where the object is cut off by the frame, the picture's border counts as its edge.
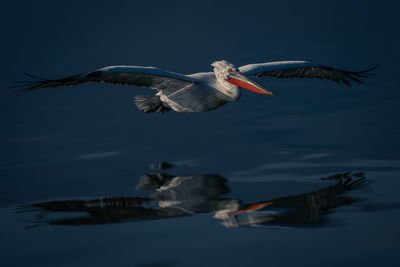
(308, 177)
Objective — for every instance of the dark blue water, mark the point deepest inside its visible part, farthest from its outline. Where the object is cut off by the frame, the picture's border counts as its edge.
(244, 187)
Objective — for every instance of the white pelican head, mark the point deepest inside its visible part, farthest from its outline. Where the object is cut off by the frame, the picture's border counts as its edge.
(230, 78)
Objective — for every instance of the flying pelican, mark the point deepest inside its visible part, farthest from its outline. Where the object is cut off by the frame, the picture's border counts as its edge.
(198, 92)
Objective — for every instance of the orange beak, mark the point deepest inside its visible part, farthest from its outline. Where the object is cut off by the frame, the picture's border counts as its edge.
(240, 80)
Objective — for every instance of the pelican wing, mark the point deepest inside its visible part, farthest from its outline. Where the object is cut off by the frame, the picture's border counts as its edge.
(149, 77)
(304, 69)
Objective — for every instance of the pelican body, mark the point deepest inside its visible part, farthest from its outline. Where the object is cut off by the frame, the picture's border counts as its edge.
(199, 92)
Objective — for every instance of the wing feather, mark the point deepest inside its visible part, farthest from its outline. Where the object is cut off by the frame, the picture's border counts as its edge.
(305, 69)
(149, 77)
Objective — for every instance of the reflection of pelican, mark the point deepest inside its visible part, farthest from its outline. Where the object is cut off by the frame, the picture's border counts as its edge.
(198, 92)
(193, 194)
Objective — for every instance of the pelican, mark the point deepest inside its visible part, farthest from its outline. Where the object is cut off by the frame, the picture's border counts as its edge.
(198, 92)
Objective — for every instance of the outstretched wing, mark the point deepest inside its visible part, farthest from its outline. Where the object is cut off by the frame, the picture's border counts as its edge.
(150, 77)
(304, 69)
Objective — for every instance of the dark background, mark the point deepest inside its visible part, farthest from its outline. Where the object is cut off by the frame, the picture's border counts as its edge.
(91, 141)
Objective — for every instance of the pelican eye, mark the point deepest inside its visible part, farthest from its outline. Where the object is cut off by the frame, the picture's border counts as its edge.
(230, 70)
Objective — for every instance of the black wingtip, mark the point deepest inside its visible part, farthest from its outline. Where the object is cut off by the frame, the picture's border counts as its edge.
(18, 92)
(367, 71)
(355, 75)
(33, 76)
(374, 67)
(26, 86)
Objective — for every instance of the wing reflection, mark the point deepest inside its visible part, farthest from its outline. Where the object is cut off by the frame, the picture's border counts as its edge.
(174, 196)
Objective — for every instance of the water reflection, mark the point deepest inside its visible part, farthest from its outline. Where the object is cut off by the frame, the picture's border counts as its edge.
(174, 196)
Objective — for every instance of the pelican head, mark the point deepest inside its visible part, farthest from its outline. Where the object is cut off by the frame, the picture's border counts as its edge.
(230, 78)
